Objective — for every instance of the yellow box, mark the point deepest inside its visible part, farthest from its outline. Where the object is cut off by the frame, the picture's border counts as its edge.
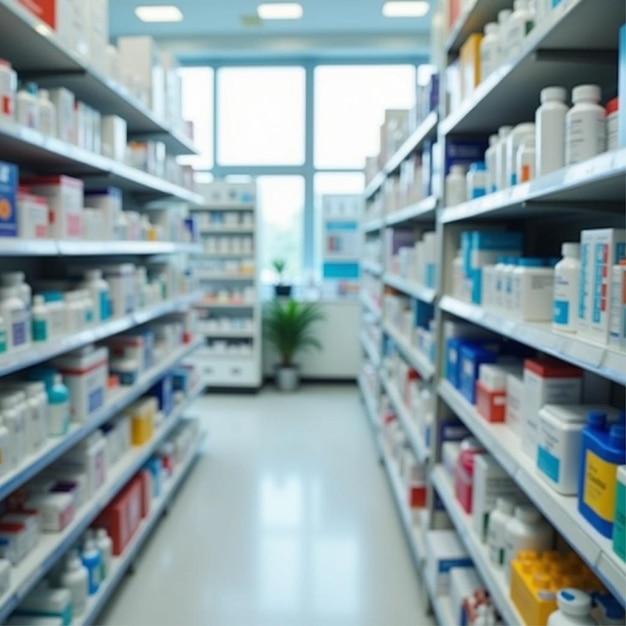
(469, 59)
(142, 415)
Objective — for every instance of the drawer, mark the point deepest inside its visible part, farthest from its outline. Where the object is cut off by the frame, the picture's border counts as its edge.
(228, 372)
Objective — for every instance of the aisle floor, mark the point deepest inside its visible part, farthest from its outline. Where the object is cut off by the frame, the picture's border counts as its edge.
(287, 519)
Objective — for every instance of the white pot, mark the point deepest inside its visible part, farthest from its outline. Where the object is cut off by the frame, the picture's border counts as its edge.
(287, 378)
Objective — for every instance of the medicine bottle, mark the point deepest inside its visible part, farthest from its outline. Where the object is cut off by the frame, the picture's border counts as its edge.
(13, 420)
(490, 160)
(57, 314)
(490, 50)
(585, 125)
(501, 179)
(74, 311)
(566, 284)
(40, 319)
(15, 317)
(91, 560)
(526, 160)
(104, 544)
(533, 290)
(514, 140)
(612, 124)
(456, 186)
(18, 280)
(58, 407)
(26, 106)
(498, 519)
(100, 293)
(8, 84)
(574, 609)
(550, 130)
(75, 578)
(476, 180)
(47, 114)
(514, 31)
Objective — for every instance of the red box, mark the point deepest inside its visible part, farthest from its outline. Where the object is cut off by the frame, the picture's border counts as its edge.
(490, 404)
(417, 496)
(146, 493)
(464, 478)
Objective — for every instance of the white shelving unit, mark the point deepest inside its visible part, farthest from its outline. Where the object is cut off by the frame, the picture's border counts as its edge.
(229, 276)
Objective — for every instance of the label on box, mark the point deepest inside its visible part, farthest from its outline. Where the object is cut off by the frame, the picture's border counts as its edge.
(8, 206)
(600, 486)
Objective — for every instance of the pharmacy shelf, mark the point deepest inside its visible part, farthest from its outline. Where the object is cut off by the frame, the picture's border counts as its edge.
(475, 14)
(494, 578)
(223, 208)
(406, 420)
(35, 51)
(224, 277)
(369, 304)
(556, 52)
(590, 356)
(370, 349)
(370, 405)
(374, 225)
(122, 563)
(422, 211)
(112, 248)
(44, 351)
(562, 511)
(56, 447)
(426, 130)
(227, 230)
(413, 532)
(207, 353)
(442, 606)
(372, 268)
(26, 147)
(228, 334)
(225, 255)
(52, 546)
(415, 290)
(599, 181)
(204, 304)
(416, 360)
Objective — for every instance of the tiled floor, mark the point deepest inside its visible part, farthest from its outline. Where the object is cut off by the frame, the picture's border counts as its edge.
(286, 520)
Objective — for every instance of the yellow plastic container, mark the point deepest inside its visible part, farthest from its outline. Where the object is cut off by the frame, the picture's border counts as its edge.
(142, 415)
(469, 59)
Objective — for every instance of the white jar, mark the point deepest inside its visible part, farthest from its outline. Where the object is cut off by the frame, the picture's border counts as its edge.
(490, 160)
(612, 124)
(533, 290)
(526, 160)
(75, 578)
(100, 293)
(40, 319)
(514, 31)
(519, 135)
(47, 114)
(38, 402)
(503, 17)
(498, 519)
(89, 307)
(13, 419)
(501, 180)
(476, 180)
(574, 609)
(526, 530)
(16, 318)
(455, 186)
(74, 311)
(490, 50)
(550, 130)
(8, 87)
(57, 318)
(27, 107)
(566, 284)
(18, 280)
(105, 547)
(585, 125)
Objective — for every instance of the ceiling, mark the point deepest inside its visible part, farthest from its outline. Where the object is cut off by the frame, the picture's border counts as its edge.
(217, 28)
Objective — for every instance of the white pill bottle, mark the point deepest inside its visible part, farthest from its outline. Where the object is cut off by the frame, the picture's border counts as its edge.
(585, 125)
(550, 130)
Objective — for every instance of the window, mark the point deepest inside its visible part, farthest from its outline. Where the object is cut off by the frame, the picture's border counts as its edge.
(197, 97)
(349, 103)
(261, 116)
(281, 206)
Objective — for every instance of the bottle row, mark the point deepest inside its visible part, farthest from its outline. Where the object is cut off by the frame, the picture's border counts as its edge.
(214, 220)
(412, 257)
(223, 244)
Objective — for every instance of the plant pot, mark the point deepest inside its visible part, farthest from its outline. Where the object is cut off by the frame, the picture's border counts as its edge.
(282, 291)
(287, 378)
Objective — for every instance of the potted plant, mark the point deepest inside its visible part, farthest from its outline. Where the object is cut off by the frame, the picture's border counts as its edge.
(281, 290)
(288, 328)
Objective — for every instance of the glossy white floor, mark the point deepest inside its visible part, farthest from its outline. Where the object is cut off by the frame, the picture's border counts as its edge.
(286, 520)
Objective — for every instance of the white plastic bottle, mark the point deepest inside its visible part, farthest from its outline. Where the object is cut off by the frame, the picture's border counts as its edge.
(503, 17)
(566, 284)
(519, 24)
(75, 578)
(47, 114)
(515, 139)
(550, 130)
(100, 293)
(18, 280)
(490, 160)
(476, 180)
(3, 335)
(27, 107)
(501, 180)
(16, 318)
(40, 319)
(104, 544)
(533, 289)
(456, 192)
(75, 311)
(498, 519)
(574, 609)
(585, 125)
(526, 530)
(8, 85)
(507, 296)
(612, 124)
(490, 50)
(13, 420)
(88, 306)
(526, 160)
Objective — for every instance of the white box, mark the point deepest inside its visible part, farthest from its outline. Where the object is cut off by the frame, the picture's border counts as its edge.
(600, 250)
(617, 322)
(56, 510)
(113, 137)
(444, 551)
(121, 279)
(490, 483)
(63, 99)
(89, 457)
(98, 29)
(546, 381)
(464, 581)
(514, 412)
(109, 201)
(65, 201)
(140, 57)
(32, 216)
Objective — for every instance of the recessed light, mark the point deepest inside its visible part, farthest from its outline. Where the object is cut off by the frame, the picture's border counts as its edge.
(280, 11)
(159, 13)
(406, 8)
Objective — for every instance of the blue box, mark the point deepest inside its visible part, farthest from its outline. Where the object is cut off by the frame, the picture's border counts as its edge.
(621, 60)
(163, 391)
(154, 466)
(472, 357)
(9, 177)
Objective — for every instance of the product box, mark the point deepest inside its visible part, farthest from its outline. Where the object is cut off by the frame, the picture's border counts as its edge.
(514, 410)
(88, 457)
(98, 31)
(617, 321)
(622, 87)
(121, 279)
(109, 202)
(64, 101)
(65, 201)
(491, 391)
(472, 357)
(600, 250)
(138, 346)
(464, 582)
(8, 200)
(546, 381)
(444, 551)
(32, 215)
(145, 478)
(142, 415)
(56, 510)
(469, 59)
(46, 602)
(619, 526)
(114, 137)
(156, 471)
(163, 391)
(224, 195)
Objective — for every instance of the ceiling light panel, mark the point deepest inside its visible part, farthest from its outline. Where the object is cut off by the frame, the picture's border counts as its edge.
(159, 13)
(406, 8)
(280, 11)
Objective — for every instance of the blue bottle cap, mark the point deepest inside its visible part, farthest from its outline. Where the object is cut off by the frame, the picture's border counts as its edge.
(617, 435)
(478, 166)
(612, 609)
(52, 296)
(502, 259)
(530, 262)
(596, 420)
(512, 260)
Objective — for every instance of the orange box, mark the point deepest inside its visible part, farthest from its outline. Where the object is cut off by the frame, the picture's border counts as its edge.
(469, 59)
(490, 404)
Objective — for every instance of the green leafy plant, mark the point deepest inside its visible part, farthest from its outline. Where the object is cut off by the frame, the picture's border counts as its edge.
(288, 327)
(279, 266)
